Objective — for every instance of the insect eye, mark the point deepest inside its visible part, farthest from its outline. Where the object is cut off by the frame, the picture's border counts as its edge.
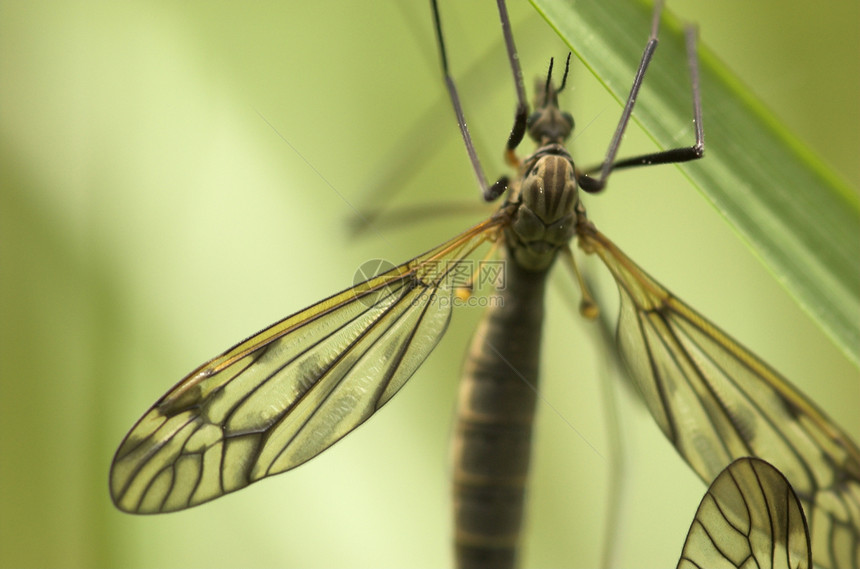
(533, 118)
(568, 118)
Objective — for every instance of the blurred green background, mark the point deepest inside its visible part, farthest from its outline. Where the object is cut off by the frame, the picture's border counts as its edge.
(151, 215)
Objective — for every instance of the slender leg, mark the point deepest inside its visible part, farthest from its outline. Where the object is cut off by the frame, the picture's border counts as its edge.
(675, 155)
(490, 192)
(519, 128)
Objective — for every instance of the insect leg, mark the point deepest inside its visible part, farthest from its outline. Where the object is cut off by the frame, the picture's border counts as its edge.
(489, 192)
(671, 156)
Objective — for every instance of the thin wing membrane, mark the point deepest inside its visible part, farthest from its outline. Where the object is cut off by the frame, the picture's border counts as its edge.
(289, 392)
(749, 517)
(717, 402)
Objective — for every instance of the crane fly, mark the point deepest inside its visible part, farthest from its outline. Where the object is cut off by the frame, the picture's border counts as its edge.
(750, 516)
(285, 394)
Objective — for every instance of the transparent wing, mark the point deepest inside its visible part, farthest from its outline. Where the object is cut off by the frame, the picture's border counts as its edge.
(749, 517)
(717, 402)
(289, 392)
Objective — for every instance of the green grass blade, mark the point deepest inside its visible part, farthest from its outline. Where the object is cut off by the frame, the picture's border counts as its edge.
(797, 217)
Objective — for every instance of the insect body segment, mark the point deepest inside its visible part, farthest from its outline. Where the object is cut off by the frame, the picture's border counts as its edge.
(498, 393)
(546, 196)
(495, 411)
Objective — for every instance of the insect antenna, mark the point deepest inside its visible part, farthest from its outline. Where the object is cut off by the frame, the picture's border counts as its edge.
(564, 77)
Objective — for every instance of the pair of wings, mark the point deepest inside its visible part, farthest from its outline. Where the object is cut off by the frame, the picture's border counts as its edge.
(289, 392)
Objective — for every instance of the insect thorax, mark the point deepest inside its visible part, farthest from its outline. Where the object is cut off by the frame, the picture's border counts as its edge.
(544, 220)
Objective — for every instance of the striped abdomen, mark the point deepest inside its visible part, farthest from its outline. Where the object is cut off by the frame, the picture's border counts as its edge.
(492, 442)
